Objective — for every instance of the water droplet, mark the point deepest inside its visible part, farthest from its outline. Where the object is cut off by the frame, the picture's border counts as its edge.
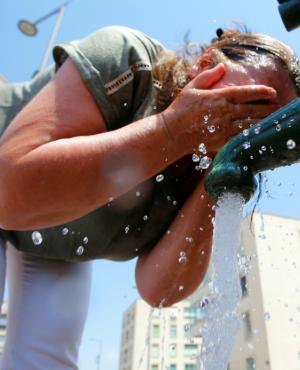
(80, 250)
(195, 158)
(182, 257)
(37, 238)
(284, 115)
(189, 239)
(205, 162)
(204, 302)
(127, 229)
(110, 199)
(202, 148)
(246, 132)
(246, 145)
(278, 128)
(65, 231)
(211, 128)
(125, 105)
(181, 288)
(145, 217)
(267, 316)
(290, 144)
(257, 130)
(160, 177)
(205, 119)
(245, 168)
(85, 240)
(263, 148)
(251, 157)
(137, 193)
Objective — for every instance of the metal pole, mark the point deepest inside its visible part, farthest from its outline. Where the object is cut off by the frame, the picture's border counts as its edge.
(52, 38)
(98, 357)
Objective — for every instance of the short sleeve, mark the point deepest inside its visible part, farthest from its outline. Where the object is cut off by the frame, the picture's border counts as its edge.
(116, 65)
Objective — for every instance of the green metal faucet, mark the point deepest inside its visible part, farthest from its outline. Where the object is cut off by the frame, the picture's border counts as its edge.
(271, 143)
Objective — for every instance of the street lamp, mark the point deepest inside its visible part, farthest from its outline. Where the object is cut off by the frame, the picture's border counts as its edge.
(29, 28)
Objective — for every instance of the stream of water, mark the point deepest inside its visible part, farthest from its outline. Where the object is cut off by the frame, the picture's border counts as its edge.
(222, 323)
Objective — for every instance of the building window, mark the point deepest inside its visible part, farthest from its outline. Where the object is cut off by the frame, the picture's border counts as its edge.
(244, 286)
(173, 350)
(247, 325)
(154, 367)
(173, 312)
(155, 350)
(156, 312)
(187, 329)
(189, 367)
(190, 349)
(190, 312)
(173, 331)
(250, 363)
(125, 355)
(173, 367)
(155, 331)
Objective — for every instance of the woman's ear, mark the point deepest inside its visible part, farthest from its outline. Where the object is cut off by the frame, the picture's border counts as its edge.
(202, 64)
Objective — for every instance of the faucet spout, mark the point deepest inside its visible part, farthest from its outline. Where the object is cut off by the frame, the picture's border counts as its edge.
(271, 143)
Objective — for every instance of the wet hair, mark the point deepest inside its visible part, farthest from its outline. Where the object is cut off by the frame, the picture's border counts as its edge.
(241, 46)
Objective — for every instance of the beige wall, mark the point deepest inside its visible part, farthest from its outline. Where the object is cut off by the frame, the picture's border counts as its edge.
(279, 264)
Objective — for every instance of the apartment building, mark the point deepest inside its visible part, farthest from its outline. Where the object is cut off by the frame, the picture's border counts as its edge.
(154, 339)
(269, 336)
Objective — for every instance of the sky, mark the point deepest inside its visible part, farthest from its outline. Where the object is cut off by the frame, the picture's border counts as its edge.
(113, 287)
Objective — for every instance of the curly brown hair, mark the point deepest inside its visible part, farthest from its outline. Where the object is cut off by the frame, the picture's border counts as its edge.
(172, 69)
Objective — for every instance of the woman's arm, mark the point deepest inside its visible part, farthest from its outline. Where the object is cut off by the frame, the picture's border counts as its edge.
(175, 267)
(58, 163)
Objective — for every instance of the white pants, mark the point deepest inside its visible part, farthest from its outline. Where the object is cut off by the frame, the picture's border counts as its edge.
(47, 309)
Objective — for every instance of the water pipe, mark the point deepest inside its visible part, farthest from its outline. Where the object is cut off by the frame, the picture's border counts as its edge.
(290, 13)
(271, 143)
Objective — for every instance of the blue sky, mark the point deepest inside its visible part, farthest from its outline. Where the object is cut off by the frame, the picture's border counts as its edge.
(113, 285)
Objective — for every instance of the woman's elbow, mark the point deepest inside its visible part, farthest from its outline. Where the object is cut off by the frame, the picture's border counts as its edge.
(155, 290)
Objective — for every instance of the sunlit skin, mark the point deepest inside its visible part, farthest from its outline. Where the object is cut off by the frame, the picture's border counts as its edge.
(161, 279)
(58, 163)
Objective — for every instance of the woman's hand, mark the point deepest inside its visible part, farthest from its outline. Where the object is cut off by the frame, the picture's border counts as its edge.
(213, 116)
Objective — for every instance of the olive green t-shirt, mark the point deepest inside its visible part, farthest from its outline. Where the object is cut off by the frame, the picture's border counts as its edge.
(116, 66)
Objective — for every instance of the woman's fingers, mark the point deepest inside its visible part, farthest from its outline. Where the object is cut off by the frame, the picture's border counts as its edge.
(248, 93)
(208, 78)
(251, 111)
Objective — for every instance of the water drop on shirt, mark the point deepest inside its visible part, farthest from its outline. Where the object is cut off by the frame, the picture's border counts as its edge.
(37, 238)
(290, 144)
(160, 177)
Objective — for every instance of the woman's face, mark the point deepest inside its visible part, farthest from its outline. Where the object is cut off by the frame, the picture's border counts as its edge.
(264, 71)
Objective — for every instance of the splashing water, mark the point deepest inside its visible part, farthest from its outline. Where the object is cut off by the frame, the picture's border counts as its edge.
(223, 321)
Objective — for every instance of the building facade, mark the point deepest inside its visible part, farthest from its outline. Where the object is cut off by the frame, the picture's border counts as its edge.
(269, 336)
(154, 339)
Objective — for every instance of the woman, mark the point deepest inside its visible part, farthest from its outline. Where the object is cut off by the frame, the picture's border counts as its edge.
(104, 150)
